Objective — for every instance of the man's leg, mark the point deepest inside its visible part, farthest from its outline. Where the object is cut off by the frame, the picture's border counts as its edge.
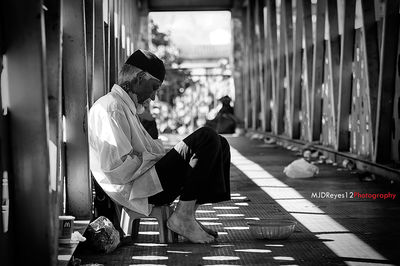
(183, 222)
(190, 169)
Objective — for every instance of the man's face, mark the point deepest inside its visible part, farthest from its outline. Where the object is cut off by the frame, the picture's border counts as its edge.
(146, 88)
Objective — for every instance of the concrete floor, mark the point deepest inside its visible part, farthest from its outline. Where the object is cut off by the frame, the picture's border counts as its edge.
(346, 231)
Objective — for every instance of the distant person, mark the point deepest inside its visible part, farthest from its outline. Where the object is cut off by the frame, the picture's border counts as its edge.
(133, 168)
(225, 121)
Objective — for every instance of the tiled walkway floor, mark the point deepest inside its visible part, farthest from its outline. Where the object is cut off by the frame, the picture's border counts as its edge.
(343, 231)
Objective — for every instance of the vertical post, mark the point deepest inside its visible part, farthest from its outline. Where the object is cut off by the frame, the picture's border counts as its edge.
(6, 244)
(259, 61)
(280, 86)
(112, 44)
(252, 63)
(346, 76)
(370, 40)
(273, 56)
(249, 83)
(54, 33)
(79, 195)
(89, 22)
(144, 25)
(334, 52)
(30, 175)
(308, 50)
(387, 74)
(318, 73)
(268, 70)
(99, 77)
(296, 73)
(237, 59)
(287, 31)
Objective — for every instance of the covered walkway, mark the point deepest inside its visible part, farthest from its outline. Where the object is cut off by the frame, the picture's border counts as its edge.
(322, 72)
(347, 231)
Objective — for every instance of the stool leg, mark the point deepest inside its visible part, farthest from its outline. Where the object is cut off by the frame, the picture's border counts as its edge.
(135, 229)
(160, 215)
(172, 236)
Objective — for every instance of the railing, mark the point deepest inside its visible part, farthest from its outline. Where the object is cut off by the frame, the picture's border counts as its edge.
(324, 72)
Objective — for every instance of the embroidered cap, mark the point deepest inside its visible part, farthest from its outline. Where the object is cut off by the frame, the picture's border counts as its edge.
(148, 62)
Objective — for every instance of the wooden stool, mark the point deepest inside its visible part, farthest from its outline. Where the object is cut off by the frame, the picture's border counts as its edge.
(130, 222)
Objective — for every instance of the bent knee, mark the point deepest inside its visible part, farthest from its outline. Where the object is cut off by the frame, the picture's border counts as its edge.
(208, 133)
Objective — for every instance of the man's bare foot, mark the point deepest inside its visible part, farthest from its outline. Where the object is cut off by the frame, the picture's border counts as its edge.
(208, 230)
(188, 227)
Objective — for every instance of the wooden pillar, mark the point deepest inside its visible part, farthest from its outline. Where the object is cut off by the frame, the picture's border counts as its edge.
(308, 50)
(89, 23)
(280, 89)
(79, 194)
(387, 74)
(113, 75)
(346, 76)
(248, 71)
(252, 63)
(6, 241)
(99, 75)
(295, 106)
(334, 52)
(287, 32)
(370, 41)
(54, 33)
(318, 73)
(259, 64)
(238, 60)
(268, 70)
(30, 199)
(273, 58)
(143, 42)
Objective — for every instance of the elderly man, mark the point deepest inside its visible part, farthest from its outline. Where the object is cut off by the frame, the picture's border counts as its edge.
(133, 168)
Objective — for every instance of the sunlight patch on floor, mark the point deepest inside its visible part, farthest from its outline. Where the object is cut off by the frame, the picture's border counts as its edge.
(150, 257)
(148, 222)
(150, 244)
(179, 252)
(283, 258)
(148, 233)
(221, 258)
(254, 250)
(343, 243)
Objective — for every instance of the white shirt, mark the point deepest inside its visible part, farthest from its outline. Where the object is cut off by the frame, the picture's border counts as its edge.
(122, 153)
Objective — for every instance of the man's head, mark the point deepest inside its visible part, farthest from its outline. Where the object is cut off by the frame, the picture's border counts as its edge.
(142, 75)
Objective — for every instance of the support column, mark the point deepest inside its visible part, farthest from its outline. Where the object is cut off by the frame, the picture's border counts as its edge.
(53, 21)
(143, 41)
(387, 76)
(346, 76)
(274, 55)
(29, 178)
(318, 73)
(296, 88)
(79, 194)
(99, 76)
(237, 60)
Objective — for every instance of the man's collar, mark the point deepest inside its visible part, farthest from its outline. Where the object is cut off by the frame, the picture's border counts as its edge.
(134, 106)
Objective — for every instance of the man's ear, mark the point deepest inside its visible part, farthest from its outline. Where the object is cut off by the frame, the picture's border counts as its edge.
(133, 83)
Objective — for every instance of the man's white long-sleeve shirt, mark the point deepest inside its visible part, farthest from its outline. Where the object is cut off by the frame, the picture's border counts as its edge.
(122, 153)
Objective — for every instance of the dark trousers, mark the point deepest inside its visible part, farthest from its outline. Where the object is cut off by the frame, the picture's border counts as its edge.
(198, 168)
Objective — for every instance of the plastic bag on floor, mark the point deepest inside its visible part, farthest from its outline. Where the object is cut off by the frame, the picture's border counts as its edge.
(300, 169)
(102, 235)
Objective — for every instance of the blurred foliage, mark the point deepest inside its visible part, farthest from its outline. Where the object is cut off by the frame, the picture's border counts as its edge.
(176, 80)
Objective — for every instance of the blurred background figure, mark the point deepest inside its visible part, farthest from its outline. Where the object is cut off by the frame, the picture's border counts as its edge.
(225, 122)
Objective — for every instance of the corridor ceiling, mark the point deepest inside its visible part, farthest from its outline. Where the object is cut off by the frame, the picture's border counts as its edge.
(190, 5)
